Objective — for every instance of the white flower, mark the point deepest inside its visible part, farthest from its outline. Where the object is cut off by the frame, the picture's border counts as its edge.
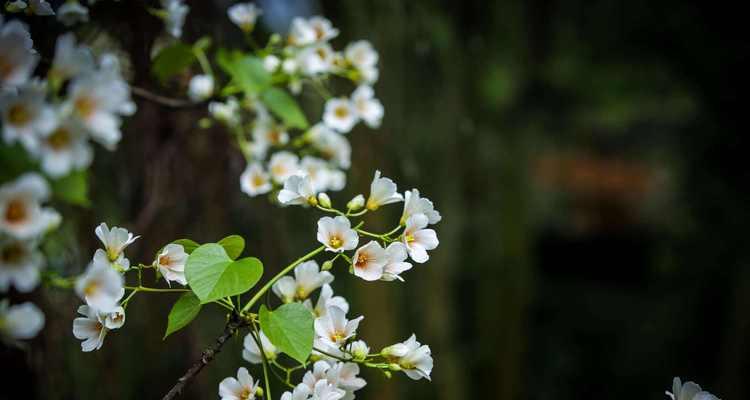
(100, 286)
(337, 234)
(119, 264)
(317, 172)
(413, 358)
(115, 319)
(298, 190)
(254, 180)
(41, 7)
(413, 204)
(72, 12)
(336, 179)
(316, 59)
(201, 87)
(171, 263)
(382, 191)
(688, 391)
(283, 165)
(20, 321)
(244, 15)
(363, 57)
(301, 392)
(20, 262)
(225, 112)
(70, 59)
(98, 100)
(369, 109)
(326, 391)
(344, 376)
(90, 328)
(174, 19)
(325, 300)
(368, 261)
(289, 66)
(270, 133)
(334, 329)
(340, 114)
(17, 60)
(64, 148)
(396, 254)
(307, 278)
(359, 350)
(115, 240)
(252, 353)
(271, 63)
(25, 114)
(331, 144)
(21, 214)
(316, 29)
(242, 388)
(418, 239)
(356, 202)
(323, 28)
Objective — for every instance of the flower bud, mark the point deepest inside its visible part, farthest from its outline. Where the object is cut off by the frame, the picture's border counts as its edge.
(259, 391)
(312, 200)
(394, 367)
(327, 265)
(356, 203)
(324, 200)
(387, 374)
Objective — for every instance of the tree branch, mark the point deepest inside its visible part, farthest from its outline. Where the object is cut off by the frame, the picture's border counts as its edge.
(163, 100)
(234, 324)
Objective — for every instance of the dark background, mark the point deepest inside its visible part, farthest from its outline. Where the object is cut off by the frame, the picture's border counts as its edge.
(589, 160)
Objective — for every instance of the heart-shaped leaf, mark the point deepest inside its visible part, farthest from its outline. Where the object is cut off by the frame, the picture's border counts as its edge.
(183, 311)
(285, 107)
(213, 275)
(290, 329)
(187, 244)
(233, 245)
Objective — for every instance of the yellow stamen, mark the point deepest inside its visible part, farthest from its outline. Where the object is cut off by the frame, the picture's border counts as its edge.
(341, 112)
(15, 211)
(335, 242)
(85, 106)
(59, 139)
(19, 114)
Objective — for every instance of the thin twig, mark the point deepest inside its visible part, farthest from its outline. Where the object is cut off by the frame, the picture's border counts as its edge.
(208, 354)
(163, 100)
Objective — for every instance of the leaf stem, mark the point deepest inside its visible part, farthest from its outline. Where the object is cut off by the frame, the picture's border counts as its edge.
(149, 289)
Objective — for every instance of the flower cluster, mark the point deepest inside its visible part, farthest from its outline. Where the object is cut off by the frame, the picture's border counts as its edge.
(688, 391)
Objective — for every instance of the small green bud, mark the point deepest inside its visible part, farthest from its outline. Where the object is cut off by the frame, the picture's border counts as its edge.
(259, 391)
(324, 200)
(205, 123)
(327, 265)
(275, 39)
(387, 374)
(356, 203)
(394, 367)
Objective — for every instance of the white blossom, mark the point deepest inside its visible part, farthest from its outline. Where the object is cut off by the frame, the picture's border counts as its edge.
(244, 15)
(241, 388)
(413, 204)
(337, 234)
(26, 114)
(254, 180)
(251, 351)
(174, 18)
(289, 66)
(417, 239)
(300, 392)
(340, 375)
(171, 263)
(356, 202)
(307, 278)
(40, 7)
(369, 109)
(332, 145)
(340, 114)
(71, 59)
(396, 254)
(20, 321)
(363, 57)
(369, 260)
(72, 12)
(325, 300)
(21, 213)
(315, 59)
(382, 191)
(334, 329)
(20, 262)
(18, 59)
(688, 391)
(267, 131)
(227, 112)
(115, 319)
(298, 190)
(115, 240)
(313, 30)
(201, 87)
(413, 358)
(271, 63)
(317, 172)
(90, 328)
(359, 350)
(64, 148)
(282, 165)
(100, 286)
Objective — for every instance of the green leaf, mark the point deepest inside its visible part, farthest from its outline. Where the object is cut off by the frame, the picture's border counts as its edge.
(233, 245)
(184, 310)
(285, 107)
(246, 71)
(290, 329)
(187, 244)
(72, 188)
(172, 60)
(14, 161)
(213, 275)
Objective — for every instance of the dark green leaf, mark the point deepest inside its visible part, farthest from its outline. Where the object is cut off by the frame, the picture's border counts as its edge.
(184, 310)
(72, 188)
(290, 329)
(172, 60)
(247, 72)
(285, 107)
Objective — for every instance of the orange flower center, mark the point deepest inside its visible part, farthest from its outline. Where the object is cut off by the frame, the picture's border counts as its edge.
(19, 114)
(85, 106)
(15, 212)
(341, 112)
(59, 139)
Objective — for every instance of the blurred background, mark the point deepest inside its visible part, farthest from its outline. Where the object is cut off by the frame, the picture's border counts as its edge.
(588, 160)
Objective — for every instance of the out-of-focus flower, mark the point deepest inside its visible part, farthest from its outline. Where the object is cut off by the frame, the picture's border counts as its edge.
(382, 191)
(307, 278)
(340, 114)
(315, 59)
(254, 180)
(244, 15)
(18, 59)
(21, 213)
(174, 17)
(252, 352)
(688, 391)
(241, 388)
(227, 112)
(100, 286)
(282, 165)
(313, 30)
(171, 263)
(332, 145)
(72, 12)
(26, 114)
(64, 148)
(201, 87)
(298, 190)
(363, 57)
(20, 262)
(413, 358)
(334, 329)
(417, 239)
(326, 299)
(271, 63)
(271, 133)
(317, 171)
(337, 234)
(368, 261)
(70, 59)
(369, 109)
(20, 321)
(413, 204)
(90, 328)
(396, 255)
(36, 7)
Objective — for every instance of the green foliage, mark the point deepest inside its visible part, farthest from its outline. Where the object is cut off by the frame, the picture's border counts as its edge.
(290, 329)
(187, 244)
(233, 245)
(14, 160)
(247, 72)
(172, 60)
(72, 188)
(185, 309)
(285, 107)
(213, 275)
